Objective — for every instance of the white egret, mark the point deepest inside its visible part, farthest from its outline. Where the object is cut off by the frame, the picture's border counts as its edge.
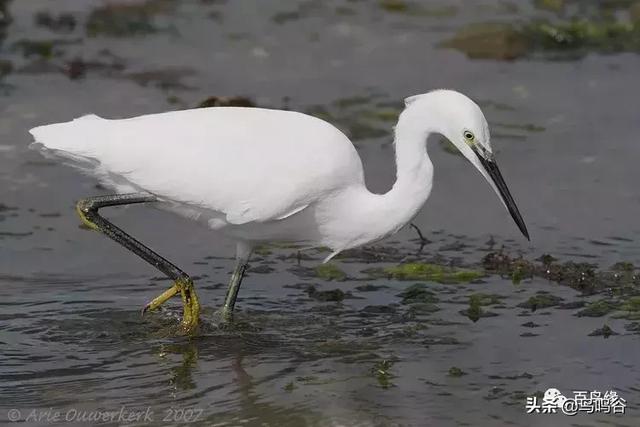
(260, 175)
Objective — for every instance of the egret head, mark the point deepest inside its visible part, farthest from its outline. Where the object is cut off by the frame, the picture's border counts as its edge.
(461, 121)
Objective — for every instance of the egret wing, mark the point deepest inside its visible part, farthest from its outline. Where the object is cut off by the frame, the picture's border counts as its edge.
(250, 164)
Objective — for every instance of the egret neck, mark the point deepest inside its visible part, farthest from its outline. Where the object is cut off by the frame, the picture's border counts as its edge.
(366, 217)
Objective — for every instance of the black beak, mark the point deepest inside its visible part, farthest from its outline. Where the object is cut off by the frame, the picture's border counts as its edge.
(491, 167)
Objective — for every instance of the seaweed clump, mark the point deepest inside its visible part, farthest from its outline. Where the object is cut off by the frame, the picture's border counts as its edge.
(227, 101)
(382, 372)
(599, 31)
(427, 272)
(126, 19)
(580, 276)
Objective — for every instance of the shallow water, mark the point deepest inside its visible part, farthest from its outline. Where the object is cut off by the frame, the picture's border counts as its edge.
(566, 135)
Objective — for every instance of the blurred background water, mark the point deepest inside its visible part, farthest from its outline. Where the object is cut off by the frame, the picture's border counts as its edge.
(558, 83)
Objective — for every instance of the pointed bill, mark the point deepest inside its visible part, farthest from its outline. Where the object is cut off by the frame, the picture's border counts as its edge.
(490, 165)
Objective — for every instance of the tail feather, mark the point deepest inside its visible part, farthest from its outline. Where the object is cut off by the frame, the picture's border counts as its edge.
(73, 143)
(70, 136)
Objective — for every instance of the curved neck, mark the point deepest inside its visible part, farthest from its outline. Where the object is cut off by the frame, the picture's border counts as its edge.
(414, 171)
(374, 216)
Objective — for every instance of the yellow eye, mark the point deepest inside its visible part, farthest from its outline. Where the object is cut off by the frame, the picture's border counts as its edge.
(468, 136)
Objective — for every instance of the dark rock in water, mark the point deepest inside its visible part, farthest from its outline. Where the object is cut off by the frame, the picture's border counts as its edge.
(605, 332)
(5, 17)
(261, 269)
(226, 101)
(441, 341)
(303, 286)
(381, 309)
(572, 305)
(6, 67)
(632, 327)
(370, 288)
(372, 254)
(474, 315)
(528, 334)
(524, 375)
(530, 325)
(335, 295)
(166, 78)
(63, 23)
(75, 68)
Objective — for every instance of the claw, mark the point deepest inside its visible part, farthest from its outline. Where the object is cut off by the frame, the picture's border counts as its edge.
(191, 305)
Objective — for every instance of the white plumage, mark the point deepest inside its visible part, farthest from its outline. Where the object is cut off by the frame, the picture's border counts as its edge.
(263, 175)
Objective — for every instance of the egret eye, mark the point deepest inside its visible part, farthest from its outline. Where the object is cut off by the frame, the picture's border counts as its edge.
(468, 136)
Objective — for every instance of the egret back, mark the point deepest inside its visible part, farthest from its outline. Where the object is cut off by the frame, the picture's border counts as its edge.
(250, 164)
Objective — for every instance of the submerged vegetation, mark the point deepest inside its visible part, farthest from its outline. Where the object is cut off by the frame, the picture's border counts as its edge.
(602, 27)
(360, 117)
(127, 19)
(428, 272)
(329, 272)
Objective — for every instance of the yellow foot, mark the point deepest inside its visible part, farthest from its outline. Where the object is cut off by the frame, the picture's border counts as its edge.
(191, 306)
(82, 209)
(190, 303)
(161, 299)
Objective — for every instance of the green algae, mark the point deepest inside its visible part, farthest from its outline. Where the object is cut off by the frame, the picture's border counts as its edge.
(632, 304)
(598, 309)
(514, 268)
(422, 308)
(394, 5)
(475, 310)
(476, 301)
(456, 372)
(418, 293)
(360, 117)
(489, 41)
(604, 332)
(541, 300)
(382, 372)
(629, 309)
(634, 13)
(227, 101)
(552, 5)
(262, 250)
(428, 272)
(284, 17)
(570, 39)
(483, 299)
(580, 276)
(126, 19)
(520, 270)
(329, 272)
(623, 266)
(39, 48)
(341, 347)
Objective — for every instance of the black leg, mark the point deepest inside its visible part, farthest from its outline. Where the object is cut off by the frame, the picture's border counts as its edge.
(88, 211)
